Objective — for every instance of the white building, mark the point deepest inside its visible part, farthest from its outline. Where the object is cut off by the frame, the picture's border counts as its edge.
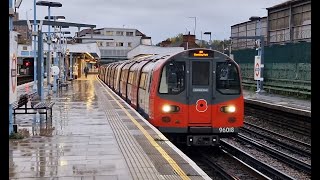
(147, 49)
(114, 43)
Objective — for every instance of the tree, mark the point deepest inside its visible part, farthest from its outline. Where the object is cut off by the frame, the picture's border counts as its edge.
(177, 38)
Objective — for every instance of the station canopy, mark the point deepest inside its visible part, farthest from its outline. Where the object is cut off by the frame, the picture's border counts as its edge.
(90, 49)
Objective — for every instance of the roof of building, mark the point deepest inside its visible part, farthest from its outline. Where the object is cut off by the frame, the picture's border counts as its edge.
(286, 3)
(148, 49)
(53, 23)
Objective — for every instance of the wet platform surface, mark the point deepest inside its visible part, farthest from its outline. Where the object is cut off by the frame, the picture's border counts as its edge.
(71, 145)
(89, 138)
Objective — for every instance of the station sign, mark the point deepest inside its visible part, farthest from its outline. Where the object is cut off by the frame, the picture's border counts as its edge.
(13, 67)
(257, 68)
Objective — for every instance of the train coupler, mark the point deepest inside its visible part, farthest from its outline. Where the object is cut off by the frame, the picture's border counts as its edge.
(202, 140)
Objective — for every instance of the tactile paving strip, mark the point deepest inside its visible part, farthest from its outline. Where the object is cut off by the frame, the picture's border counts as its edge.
(139, 164)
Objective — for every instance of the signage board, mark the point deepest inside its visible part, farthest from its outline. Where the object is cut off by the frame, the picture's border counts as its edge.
(257, 68)
(13, 67)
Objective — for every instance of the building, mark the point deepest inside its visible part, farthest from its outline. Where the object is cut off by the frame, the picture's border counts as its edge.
(24, 36)
(289, 22)
(188, 42)
(114, 43)
(147, 49)
(248, 28)
(286, 23)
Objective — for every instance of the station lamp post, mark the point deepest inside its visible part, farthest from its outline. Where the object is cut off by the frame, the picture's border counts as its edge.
(210, 38)
(260, 48)
(34, 34)
(54, 18)
(49, 4)
(63, 53)
(195, 24)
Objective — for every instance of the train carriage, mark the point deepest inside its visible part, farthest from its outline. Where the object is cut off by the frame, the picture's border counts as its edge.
(193, 96)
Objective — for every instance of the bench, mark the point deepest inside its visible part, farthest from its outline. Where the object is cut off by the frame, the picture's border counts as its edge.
(36, 105)
(62, 84)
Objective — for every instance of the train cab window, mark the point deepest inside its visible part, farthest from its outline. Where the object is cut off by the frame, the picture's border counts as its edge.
(172, 78)
(227, 78)
(200, 73)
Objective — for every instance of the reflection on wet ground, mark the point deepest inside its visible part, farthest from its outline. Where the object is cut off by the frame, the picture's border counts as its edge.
(76, 143)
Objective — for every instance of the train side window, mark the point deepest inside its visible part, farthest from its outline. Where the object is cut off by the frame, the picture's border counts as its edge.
(227, 79)
(172, 78)
(142, 81)
(130, 80)
(150, 80)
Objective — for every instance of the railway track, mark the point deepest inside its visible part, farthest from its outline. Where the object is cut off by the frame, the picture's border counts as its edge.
(264, 162)
(219, 164)
(277, 154)
(282, 141)
(24, 79)
(296, 123)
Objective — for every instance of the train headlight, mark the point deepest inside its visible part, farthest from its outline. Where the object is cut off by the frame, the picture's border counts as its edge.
(170, 108)
(228, 109)
(166, 108)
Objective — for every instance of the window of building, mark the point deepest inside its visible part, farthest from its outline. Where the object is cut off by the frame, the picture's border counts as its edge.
(119, 33)
(25, 48)
(109, 33)
(129, 44)
(119, 44)
(129, 33)
(100, 43)
(110, 44)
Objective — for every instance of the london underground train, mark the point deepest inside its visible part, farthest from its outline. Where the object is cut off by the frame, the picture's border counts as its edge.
(193, 96)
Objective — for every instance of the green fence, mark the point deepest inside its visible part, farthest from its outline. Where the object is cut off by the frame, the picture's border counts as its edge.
(287, 68)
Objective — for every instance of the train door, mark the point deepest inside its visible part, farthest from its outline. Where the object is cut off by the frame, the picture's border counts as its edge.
(200, 91)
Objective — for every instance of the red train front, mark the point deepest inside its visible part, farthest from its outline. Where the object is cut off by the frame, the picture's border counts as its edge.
(193, 96)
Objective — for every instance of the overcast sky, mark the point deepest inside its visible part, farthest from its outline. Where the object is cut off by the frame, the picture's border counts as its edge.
(159, 19)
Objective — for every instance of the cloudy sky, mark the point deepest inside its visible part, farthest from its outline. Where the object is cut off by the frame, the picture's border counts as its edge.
(159, 19)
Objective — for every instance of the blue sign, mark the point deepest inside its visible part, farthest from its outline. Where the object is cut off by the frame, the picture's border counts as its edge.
(25, 53)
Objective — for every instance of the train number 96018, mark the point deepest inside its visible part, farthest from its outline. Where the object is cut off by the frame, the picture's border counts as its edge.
(226, 130)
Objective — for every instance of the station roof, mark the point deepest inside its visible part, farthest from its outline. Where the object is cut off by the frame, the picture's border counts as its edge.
(91, 48)
(53, 23)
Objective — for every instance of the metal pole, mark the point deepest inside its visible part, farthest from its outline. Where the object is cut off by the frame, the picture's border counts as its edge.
(260, 53)
(40, 66)
(262, 63)
(210, 41)
(195, 25)
(65, 58)
(34, 46)
(10, 105)
(60, 55)
(55, 63)
(49, 55)
(71, 62)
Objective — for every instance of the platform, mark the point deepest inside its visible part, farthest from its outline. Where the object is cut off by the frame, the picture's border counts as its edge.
(94, 135)
(279, 102)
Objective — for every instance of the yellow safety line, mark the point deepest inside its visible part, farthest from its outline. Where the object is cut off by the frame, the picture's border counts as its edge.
(164, 154)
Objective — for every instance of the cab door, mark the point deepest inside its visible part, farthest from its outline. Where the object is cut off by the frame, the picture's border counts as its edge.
(200, 91)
